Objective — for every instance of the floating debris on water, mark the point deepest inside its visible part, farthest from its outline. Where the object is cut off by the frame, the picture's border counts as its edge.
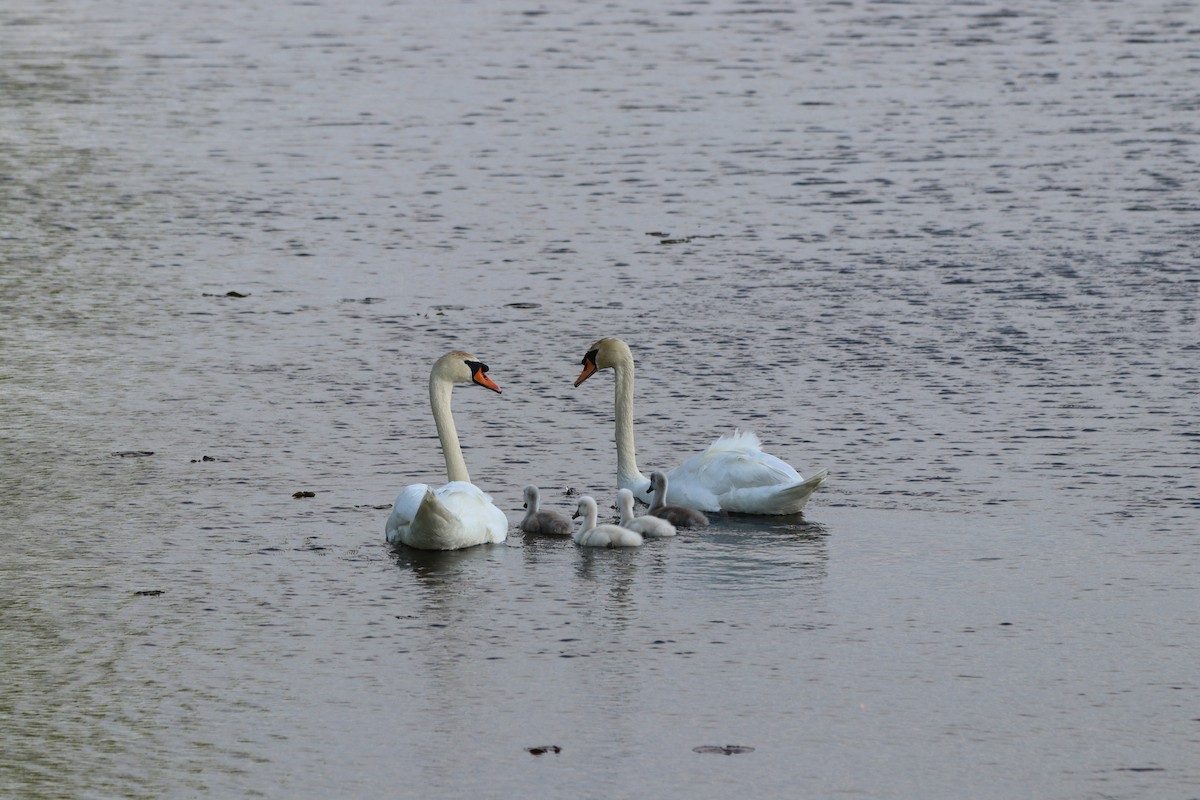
(543, 749)
(727, 750)
(148, 592)
(304, 494)
(202, 459)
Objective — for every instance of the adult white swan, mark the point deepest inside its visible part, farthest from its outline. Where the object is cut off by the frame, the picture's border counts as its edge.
(457, 514)
(732, 475)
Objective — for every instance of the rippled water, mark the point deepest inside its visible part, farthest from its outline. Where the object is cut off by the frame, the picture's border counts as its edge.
(947, 251)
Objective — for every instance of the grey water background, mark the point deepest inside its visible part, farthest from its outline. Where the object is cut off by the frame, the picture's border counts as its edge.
(946, 250)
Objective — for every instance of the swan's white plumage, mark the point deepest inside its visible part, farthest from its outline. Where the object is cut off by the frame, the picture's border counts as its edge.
(457, 514)
(589, 534)
(732, 475)
(452, 516)
(736, 476)
(650, 527)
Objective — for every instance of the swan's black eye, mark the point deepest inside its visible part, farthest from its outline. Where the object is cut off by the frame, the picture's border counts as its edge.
(477, 366)
(590, 357)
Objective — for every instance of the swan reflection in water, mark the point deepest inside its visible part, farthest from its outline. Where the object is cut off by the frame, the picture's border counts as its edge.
(743, 554)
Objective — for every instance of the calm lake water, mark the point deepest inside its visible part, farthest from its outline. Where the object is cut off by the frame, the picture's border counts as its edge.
(949, 251)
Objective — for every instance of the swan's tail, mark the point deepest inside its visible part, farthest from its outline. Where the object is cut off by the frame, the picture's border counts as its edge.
(433, 525)
(773, 499)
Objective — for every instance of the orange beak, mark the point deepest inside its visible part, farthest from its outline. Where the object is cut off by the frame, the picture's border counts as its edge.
(589, 369)
(480, 377)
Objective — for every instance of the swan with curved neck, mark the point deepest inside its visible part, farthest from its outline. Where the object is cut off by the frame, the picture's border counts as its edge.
(733, 475)
(590, 534)
(650, 526)
(538, 521)
(457, 514)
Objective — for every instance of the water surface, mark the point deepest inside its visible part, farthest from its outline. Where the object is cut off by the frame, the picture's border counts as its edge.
(947, 252)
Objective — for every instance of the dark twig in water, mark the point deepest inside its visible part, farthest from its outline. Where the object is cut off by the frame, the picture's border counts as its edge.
(727, 750)
(546, 748)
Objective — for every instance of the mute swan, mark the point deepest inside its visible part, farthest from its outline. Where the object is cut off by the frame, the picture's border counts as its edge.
(651, 527)
(542, 521)
(592, 535)
(679, 516)
(457, 514)
(733, 474)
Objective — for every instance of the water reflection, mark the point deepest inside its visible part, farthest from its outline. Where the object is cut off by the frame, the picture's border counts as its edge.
(735, 554)
(616, 568)
(756, 555)
(454, 591)
(441, 568)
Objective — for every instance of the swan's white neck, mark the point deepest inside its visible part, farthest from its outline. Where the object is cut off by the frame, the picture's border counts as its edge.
(439, 401)
(628, 474)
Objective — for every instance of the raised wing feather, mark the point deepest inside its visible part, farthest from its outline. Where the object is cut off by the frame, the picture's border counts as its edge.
(733, 462)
